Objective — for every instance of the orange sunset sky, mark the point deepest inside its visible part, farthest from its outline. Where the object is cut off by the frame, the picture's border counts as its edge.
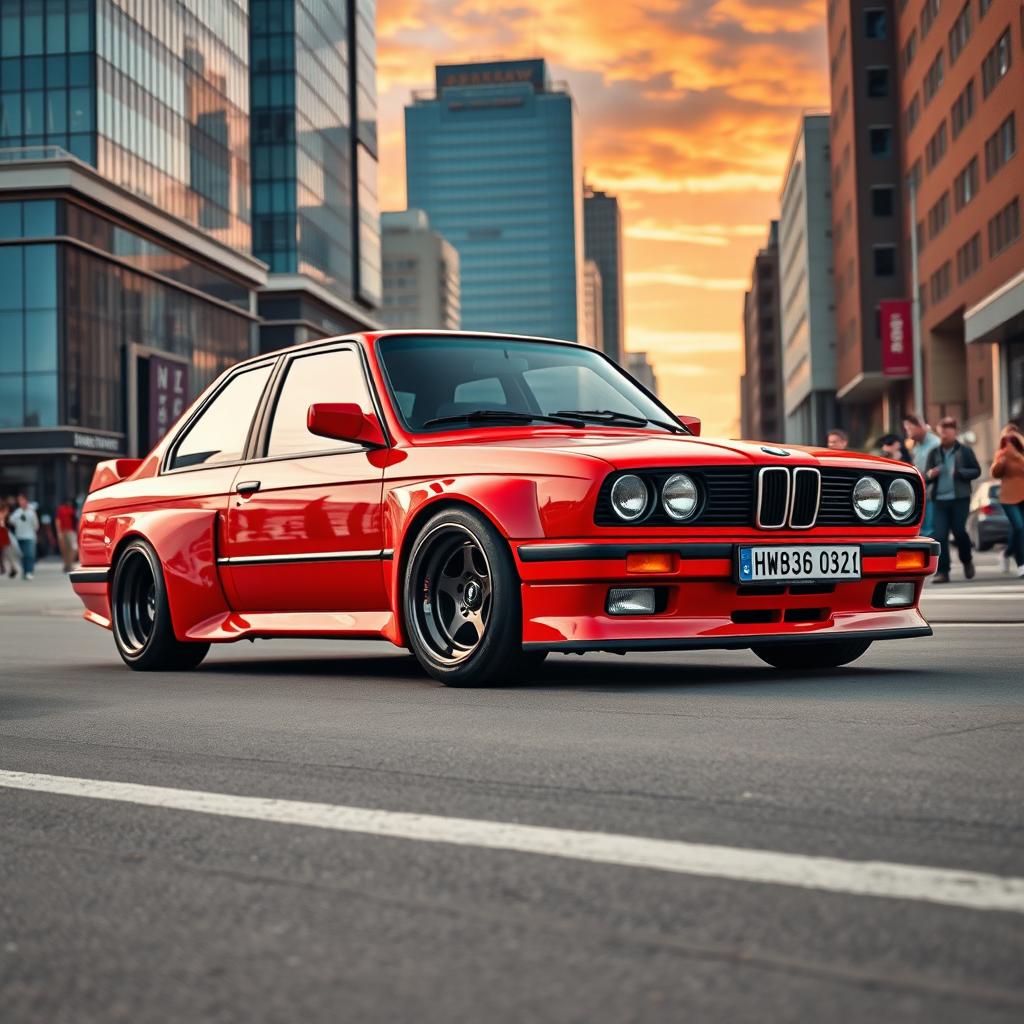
(687, 111)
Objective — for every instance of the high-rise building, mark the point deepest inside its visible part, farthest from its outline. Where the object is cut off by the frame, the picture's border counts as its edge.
(491, 156)
(421, 273)
(639, 367)
(761, 394)
(125, 279)
(315, 208)
(603, 244)
(867, 211)
(805, 261)
(593, 306)
(962, 92)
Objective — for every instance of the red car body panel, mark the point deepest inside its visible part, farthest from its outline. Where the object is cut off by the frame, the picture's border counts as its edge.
(538, 485)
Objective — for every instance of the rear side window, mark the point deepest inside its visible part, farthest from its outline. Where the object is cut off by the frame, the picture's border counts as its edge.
(335, 376)
(219, 434)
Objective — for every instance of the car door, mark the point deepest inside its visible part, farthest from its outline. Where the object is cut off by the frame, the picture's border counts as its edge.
(304, 527)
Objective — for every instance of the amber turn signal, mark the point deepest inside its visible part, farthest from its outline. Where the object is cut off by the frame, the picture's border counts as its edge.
(911, 559)
(650, 561)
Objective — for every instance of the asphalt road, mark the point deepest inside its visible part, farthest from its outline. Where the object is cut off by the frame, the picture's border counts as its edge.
(111, 910)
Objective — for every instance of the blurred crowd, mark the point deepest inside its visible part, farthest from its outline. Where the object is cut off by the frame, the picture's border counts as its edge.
(950, 469)
(28, 534)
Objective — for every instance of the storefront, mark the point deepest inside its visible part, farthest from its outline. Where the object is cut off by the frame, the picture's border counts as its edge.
(999, 319)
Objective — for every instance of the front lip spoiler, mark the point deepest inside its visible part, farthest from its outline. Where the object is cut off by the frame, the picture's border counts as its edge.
(722, 643)
(89, 576)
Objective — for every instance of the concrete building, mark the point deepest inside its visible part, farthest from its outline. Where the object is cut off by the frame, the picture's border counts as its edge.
(962, 74)
(869, 255)
(315, 207)
(805, 275)
(603, 244)
(761, 396)
(421, 273)
(492, 157)
(639, 367)
(593, 306)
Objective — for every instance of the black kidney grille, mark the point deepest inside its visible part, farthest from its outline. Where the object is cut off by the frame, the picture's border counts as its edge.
(773, 491)
(806, 487)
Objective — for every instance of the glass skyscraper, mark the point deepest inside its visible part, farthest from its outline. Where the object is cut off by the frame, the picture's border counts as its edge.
(492, 158)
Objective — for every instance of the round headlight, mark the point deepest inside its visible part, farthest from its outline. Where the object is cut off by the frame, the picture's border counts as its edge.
(629, 497)
(679, 496)
(901, 499)
(867, 497)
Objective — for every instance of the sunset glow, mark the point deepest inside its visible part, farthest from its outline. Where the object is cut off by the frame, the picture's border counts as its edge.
(687, 111)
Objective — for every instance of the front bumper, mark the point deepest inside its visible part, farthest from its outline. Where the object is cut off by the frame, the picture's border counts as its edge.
(565, 589)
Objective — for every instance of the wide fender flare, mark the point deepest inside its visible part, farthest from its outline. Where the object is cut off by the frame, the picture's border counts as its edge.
(185, 543)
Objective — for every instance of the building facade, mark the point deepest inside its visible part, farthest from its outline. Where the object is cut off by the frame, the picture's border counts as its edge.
(639, 367)
(962, 75)
(315, 207)
(593, 306)
(421, 274)
(603, 244)
(761, 413)
(492, 157)
(805, 278)
(869, 255)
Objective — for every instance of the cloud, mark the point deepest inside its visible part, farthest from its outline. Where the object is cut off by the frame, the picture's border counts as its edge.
(684, 279)
(713, 235)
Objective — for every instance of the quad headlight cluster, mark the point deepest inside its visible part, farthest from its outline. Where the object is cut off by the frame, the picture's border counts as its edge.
(869, 498)
(631, 497)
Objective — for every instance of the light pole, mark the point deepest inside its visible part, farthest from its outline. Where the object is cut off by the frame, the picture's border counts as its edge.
(915, 307)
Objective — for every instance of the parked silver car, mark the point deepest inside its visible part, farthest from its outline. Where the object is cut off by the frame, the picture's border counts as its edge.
(987, 524)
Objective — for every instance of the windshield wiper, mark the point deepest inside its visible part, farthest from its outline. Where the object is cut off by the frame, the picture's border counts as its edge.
(612, 416)
(508, 416)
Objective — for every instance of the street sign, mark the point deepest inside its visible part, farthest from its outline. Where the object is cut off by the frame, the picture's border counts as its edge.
(168, 393)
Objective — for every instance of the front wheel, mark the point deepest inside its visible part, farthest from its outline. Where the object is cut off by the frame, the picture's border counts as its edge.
(805, 657)
(141, 615)
(461, 602)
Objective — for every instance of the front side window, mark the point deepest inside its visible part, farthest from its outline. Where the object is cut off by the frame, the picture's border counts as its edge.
(444, 383)
(219, 434)
(328, 377)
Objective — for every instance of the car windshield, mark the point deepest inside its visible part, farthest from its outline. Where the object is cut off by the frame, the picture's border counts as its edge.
(447, 383)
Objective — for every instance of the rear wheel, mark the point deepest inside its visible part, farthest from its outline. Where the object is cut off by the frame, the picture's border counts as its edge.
(804, 657)
(461, 602)
(141, 615)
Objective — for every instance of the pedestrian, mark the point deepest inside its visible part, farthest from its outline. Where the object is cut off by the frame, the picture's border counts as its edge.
(25, 524)
(837, 440)
(892, 447)
(1008, 468)
(66, 539)
(951, 468)
(924, 440)
(10, 555)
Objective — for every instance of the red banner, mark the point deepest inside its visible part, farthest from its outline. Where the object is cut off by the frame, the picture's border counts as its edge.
(897, 338)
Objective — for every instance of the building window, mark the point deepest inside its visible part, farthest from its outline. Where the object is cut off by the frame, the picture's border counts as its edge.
(936, 148)
(1000, 147)
(878, 83)
(883, 199)
(983, 6)
(1004, 228)
(965, 185)
(996, 65)
(838, 55)
(880, 140)
(933, 78)
(875, 26)
(884, 260)
(929, 13)
(909, 51)
(960, 33)
(968, 258)
(963, 108)
(941, 282)
(938, 215)
(912, 114)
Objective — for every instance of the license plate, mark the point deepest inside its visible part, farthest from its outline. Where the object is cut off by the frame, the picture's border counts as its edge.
(777, 563)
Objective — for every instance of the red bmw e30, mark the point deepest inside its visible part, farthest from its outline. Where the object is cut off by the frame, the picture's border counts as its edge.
(486, 500)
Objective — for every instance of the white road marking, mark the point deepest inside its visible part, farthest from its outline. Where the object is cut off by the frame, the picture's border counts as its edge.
(862, 878)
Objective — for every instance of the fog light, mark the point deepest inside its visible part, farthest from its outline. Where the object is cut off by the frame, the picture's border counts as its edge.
(899, 595)
(631, 602)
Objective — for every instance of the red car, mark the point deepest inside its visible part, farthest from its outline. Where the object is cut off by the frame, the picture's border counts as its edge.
(486, 500)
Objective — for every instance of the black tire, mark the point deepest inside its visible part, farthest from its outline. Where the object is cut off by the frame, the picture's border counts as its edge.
(806, 657)
(141, 615)
(460, 602)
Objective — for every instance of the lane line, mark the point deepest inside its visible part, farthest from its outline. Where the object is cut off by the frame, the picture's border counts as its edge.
(970, 889)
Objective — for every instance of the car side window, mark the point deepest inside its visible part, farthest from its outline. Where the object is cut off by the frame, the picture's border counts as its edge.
(335, 376)
(219, 433)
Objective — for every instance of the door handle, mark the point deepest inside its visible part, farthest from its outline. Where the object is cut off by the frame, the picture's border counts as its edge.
(247, 487)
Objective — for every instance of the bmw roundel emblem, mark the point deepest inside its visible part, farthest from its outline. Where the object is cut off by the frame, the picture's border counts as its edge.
(781, 452)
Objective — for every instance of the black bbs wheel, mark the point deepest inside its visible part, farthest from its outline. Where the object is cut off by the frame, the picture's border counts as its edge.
(461, 601)
(141, 616)
(805, 657)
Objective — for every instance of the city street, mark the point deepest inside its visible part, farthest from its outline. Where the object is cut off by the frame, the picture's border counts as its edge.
(152, 903)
